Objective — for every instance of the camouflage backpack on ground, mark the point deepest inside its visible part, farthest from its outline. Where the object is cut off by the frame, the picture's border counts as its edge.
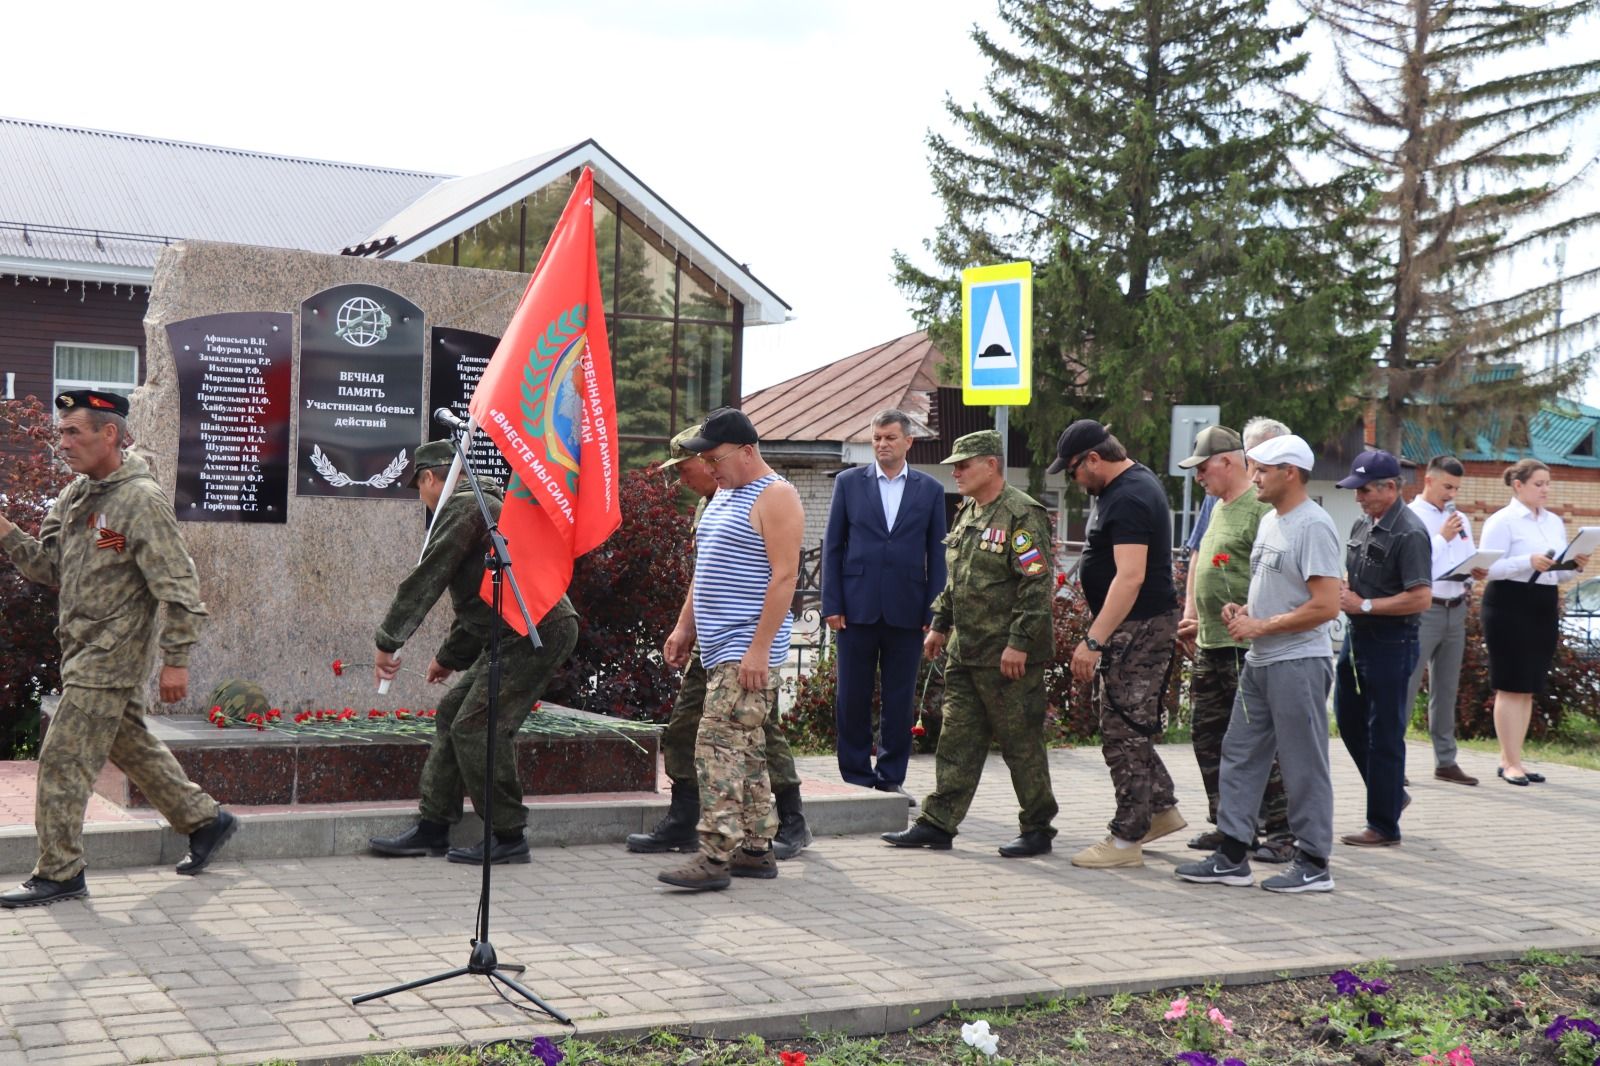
(237, 699)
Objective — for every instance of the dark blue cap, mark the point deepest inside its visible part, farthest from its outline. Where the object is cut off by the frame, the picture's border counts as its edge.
(1371, 466)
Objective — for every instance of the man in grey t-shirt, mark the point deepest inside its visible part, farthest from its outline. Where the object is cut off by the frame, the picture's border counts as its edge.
(1281, 705)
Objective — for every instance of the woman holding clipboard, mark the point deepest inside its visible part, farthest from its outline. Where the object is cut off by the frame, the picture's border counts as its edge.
(1520, 606)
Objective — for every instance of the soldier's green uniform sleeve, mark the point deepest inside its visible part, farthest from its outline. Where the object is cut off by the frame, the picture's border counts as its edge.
(168, 570)
(1031, 621)
(37, 559)
(456, 534)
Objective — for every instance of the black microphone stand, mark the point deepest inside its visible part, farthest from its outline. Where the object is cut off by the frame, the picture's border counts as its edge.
(482, 960)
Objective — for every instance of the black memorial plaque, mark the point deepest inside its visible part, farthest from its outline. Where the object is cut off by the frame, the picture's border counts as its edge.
(360, 404)
(459, 359)
(233, 416)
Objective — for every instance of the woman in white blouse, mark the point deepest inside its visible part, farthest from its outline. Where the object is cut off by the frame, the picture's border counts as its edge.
(1520, 607)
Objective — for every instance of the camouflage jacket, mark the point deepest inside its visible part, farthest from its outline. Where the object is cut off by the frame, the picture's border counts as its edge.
(114, 550)
(998, 593)
(453, 560)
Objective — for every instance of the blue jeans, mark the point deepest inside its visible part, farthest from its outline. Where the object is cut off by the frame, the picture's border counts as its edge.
(1369, 703)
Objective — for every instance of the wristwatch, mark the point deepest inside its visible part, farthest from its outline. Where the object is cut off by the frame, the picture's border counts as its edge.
(1093, 645)
(1366, 606)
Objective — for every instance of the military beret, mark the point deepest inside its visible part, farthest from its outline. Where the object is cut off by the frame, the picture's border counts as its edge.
(237, 699)
(971, 446)
(679, 452)
(93, 400)
(435, 453)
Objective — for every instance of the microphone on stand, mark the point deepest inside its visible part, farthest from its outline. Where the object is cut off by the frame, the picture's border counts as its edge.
(447, 418)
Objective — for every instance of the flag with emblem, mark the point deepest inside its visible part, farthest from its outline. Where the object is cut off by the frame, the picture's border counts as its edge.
(546, 400)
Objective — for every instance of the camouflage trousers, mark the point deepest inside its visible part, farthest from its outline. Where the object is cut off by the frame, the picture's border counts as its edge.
(981, 704)
(1212, 684)
(677, 740)
(1129, 686)
(460, 740)
(730, 761)
(90, 726)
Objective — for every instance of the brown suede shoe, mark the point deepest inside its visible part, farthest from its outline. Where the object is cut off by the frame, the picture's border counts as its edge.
(699, 874)
(1369, 838)
(744, 864)
(1454, 773)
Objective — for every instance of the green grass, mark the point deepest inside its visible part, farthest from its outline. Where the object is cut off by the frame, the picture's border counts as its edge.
(1576, 743)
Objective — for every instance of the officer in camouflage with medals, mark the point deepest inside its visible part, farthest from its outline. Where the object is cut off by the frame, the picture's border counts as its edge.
(111, 545)
(993, 622)
(676, 830)
(453, 561)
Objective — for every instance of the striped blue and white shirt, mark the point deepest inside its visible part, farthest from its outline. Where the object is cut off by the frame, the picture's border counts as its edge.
(731, 574)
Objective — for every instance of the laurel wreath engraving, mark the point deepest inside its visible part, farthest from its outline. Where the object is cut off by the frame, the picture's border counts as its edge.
(536, 379)
(338, 480)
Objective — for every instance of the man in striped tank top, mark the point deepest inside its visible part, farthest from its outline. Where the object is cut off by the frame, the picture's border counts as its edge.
(747, 559)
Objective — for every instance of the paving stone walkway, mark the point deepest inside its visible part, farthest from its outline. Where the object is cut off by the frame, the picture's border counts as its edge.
(258, 959)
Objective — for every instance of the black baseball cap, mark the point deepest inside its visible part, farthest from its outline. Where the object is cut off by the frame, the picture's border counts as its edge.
(1083, 435)
(725, 425)
(1370, 466)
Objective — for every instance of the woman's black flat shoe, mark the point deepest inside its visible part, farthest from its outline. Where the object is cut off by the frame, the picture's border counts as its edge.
(1512, 779)
(1537, 779)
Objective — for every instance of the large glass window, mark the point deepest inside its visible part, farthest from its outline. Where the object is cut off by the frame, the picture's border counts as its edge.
(108, 368)
(672, 329)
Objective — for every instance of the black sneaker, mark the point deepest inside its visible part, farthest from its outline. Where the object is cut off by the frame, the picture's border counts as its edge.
(40, 891)
(1301, 876)
(1217, 869)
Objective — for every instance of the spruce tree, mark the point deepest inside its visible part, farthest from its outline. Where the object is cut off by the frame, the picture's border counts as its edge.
(1142, 155)
(1448, 103)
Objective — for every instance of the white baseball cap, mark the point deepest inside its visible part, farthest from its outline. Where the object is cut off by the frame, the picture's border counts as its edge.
(1275, 451)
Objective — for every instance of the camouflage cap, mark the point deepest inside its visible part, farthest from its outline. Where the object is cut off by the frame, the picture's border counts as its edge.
(238, 699)
(679, 452)
(435, 453)
(983, 442)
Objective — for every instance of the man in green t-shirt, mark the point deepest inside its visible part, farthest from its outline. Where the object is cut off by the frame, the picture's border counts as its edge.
(1219, 573)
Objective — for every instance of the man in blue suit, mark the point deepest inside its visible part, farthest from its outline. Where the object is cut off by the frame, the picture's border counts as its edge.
(882, 565)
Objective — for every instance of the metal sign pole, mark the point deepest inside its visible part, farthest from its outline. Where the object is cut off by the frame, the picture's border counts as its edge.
(1002, 423)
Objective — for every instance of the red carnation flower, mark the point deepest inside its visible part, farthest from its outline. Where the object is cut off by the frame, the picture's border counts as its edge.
(918, 731)
(338, 668)
(1220, 559)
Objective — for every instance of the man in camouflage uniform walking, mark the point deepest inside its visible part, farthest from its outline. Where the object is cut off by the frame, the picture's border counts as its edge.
(993, 622)
(1219, 573)
(453, 561)
(1129, 649)
(112, 546)
(676, 830)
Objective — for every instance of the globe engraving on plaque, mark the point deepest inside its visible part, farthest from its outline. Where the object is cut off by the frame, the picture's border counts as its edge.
(362, 322)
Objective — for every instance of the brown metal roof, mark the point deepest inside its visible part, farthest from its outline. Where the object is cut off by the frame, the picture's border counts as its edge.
(836, 402)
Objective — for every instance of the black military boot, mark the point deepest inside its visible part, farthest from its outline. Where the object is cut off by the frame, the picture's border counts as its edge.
(676, 830)
(793, 833)
(424, 838)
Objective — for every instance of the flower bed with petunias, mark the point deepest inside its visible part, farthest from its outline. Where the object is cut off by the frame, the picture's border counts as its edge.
(1543, 1009)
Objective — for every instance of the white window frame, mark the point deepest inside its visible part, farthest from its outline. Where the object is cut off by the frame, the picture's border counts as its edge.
(123, 388)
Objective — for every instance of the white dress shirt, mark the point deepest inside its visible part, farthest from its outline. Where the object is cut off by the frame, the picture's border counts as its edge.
(1447, 554)
(1521, 534)
(891, 490)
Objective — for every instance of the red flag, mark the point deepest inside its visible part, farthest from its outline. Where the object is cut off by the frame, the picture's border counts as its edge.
(546, 400)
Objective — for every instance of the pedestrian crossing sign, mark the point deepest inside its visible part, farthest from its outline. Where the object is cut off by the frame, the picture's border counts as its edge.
(997, 335)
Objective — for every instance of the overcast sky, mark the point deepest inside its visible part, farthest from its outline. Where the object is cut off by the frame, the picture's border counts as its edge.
(791, 134)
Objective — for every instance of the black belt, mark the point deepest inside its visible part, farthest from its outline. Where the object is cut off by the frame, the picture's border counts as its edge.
(1457, 601)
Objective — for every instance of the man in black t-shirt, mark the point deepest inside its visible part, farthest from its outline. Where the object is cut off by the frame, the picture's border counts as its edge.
(1127, 579)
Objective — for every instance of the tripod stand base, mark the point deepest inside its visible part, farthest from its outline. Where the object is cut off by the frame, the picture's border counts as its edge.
(484, 964)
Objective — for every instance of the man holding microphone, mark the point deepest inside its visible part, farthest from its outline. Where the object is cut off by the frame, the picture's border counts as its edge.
(1442, 637)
